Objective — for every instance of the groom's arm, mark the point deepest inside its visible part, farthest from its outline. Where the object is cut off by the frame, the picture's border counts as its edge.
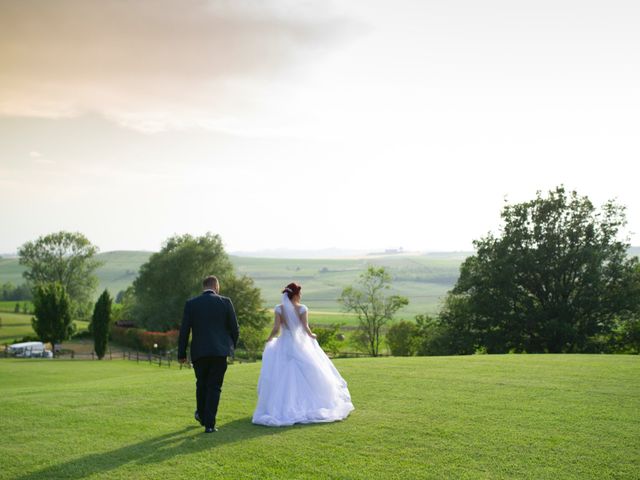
(183, 339)
(232, 323)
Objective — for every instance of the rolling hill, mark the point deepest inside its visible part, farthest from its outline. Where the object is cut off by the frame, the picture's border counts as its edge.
(424, 279)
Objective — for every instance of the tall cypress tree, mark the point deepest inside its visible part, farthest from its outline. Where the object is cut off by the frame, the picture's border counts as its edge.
(100, 323)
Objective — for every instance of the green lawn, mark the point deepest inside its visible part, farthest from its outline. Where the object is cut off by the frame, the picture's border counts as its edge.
(512, 416)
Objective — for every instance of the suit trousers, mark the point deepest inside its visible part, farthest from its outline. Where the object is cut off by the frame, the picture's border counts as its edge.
(209, 377)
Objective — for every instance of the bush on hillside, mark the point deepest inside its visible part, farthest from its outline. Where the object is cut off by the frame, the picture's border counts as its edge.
(329, 338)
(402, 338)
(140, 339)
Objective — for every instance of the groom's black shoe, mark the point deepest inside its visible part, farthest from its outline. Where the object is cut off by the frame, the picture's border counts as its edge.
(197, 417)
(210, 430)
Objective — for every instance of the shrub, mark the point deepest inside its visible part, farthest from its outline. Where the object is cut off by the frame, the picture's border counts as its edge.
(251, 341)
(402, 338)
(28, 338)
(128, 337)
(436, 338)
(165, 341)
(330, 338)
(628, 335)
(82, 335)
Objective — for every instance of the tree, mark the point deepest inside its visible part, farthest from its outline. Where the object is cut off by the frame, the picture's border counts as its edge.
(329, 337)
(438, 337)
(555, 279)
(10, 292)
(52, 322)
(66, 258)
(402, 338)
(175, 274)
(375, 308)
(100, 323)
(125, 305)
(248, 304)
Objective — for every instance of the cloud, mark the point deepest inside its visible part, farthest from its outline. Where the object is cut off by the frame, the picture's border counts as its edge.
(153, 64)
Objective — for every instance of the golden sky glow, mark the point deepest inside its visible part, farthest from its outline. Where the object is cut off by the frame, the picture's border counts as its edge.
(386, 124)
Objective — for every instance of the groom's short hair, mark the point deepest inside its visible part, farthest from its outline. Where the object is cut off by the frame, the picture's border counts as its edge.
(210, 282)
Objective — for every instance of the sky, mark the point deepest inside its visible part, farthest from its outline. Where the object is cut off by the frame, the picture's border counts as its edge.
(356, 124)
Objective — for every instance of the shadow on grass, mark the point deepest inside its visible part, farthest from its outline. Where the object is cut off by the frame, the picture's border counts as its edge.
(155, 450)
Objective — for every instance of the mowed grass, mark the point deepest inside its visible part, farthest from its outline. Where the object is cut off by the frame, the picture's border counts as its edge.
(14, 326)
(512, 416)
(10, 305)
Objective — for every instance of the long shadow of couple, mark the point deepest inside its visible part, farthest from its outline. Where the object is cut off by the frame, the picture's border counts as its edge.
(154, 450)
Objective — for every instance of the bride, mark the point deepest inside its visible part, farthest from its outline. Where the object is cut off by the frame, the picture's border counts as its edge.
(298, 383)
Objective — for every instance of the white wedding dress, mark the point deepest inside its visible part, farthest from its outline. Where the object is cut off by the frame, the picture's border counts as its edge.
(298, 383)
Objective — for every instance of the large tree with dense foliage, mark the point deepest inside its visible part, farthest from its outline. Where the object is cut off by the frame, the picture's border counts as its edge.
(52, 321)
(248, 304)
(66, 258)
(175, 274)
(369, 298)
(100, 323)
(556, 279)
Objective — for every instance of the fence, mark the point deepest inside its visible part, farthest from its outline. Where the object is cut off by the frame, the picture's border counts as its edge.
(152, 358)
(137, 356)
(166, 359)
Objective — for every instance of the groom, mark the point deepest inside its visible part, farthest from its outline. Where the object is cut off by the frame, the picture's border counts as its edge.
(211, 319)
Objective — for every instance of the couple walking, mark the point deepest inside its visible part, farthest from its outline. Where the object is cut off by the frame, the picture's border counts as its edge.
(297, 384)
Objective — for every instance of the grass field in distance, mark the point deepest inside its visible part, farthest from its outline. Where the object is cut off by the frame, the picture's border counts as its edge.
(425, 279)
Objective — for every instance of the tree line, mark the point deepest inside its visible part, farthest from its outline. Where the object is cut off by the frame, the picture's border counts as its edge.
(10, 292)
(60, 273)
(556, 278)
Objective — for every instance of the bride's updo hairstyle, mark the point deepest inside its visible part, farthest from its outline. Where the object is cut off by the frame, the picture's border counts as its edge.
(292, 290)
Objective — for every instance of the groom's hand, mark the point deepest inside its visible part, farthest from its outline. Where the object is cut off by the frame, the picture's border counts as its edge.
(182, 360)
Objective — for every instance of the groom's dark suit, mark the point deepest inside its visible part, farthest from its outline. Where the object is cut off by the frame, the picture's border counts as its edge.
(212, 321)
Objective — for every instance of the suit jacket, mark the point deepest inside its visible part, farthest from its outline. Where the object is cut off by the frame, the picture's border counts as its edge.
(212, 322)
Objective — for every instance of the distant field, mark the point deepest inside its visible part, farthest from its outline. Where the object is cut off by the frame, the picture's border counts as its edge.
(10, 271)
(10, 306)
(424, 279)
(119, 270)
(15, 326)
(327, 318)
